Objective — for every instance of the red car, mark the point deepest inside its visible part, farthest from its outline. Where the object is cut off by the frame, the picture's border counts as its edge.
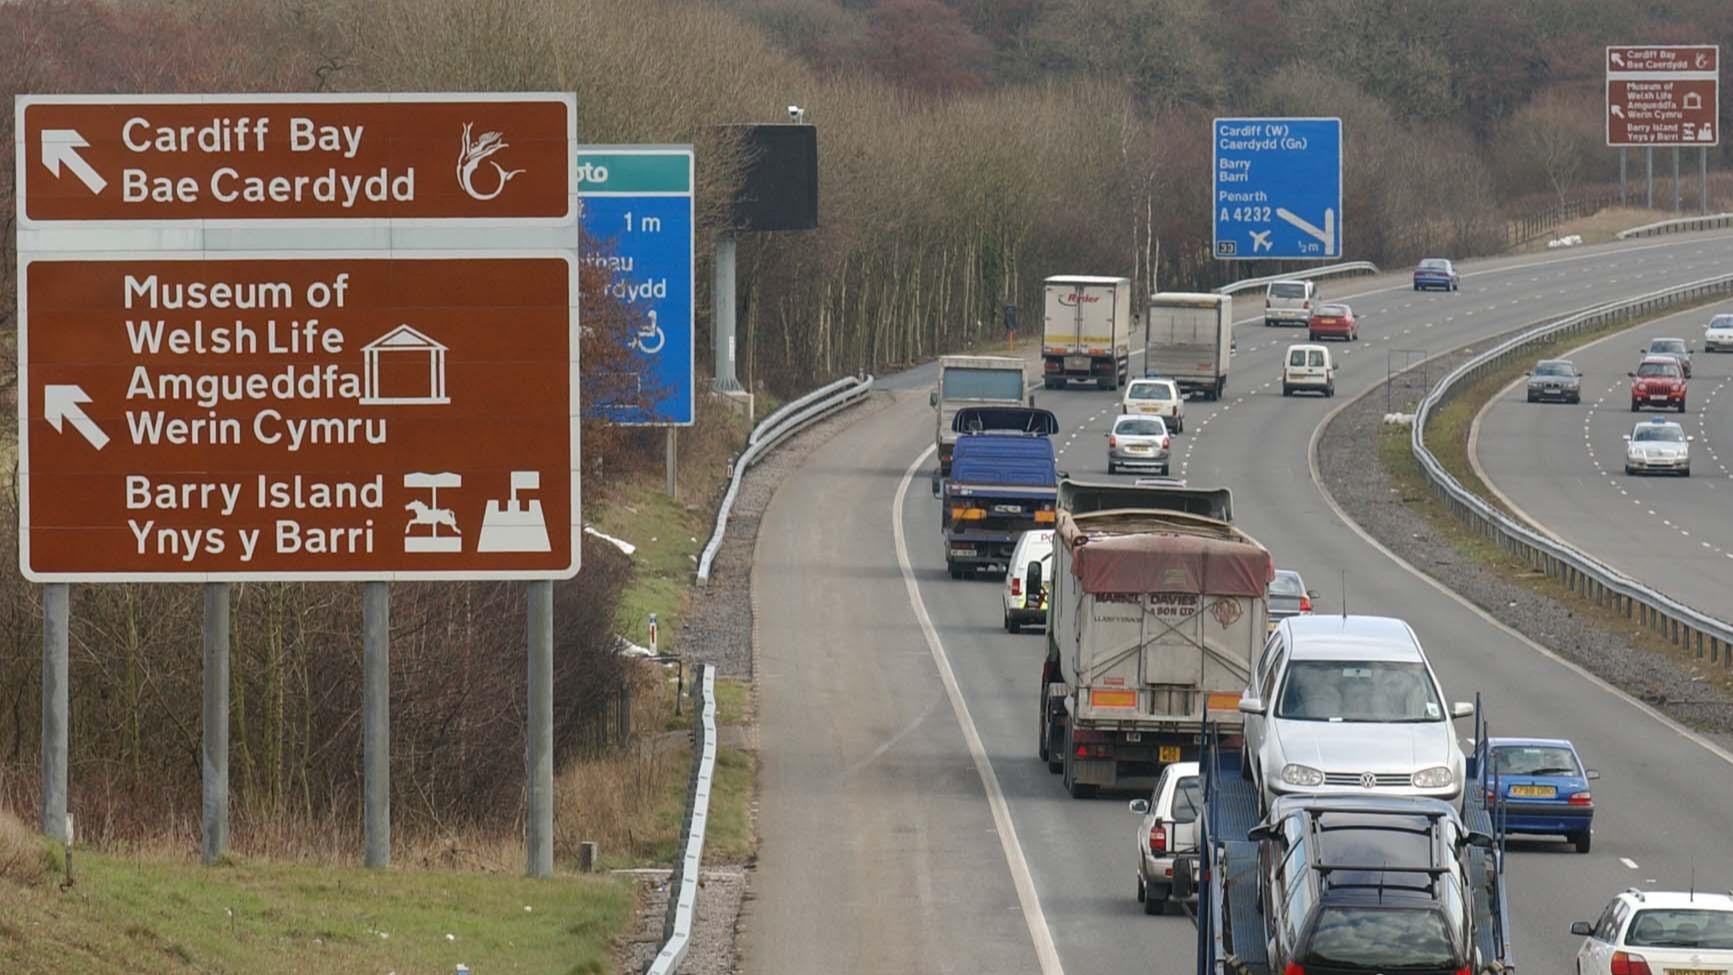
(1333, 321)
(1660, 382)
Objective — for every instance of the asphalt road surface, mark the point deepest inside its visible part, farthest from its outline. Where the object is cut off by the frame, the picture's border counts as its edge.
(886, 841)
(1563, 467)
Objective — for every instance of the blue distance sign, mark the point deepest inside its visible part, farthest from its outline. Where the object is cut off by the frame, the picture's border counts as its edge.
(635, 216)
(1276, 189)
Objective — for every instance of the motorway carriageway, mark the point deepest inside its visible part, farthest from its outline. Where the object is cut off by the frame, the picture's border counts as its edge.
(905, 821)
(1562, 466)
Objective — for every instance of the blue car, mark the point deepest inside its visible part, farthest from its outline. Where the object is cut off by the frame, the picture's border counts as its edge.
(1543, 788)
(1436, 272)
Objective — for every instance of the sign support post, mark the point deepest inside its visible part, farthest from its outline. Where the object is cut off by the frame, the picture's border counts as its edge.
(1649, 170)
(673, 463)
(1621, 176)
(539, 824)
(1703, 180)
(1676, 197)
(722, 312)
(376, 720)
(55, 695)
(215, 832)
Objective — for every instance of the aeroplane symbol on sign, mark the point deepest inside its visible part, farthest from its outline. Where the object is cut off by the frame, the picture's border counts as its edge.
(1261, 241)
(1326, 234)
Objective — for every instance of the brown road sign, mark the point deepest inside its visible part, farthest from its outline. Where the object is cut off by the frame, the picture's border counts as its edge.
(296, 157)
(265, 417)
(1663, 95)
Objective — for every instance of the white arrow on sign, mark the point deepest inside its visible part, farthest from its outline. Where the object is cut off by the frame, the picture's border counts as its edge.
(1327, 235)
(60, 403)
(60, 146)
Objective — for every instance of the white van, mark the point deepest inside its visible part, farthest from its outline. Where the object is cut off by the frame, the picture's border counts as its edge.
(1308, 367)
(1289, 302)
(1023, 608)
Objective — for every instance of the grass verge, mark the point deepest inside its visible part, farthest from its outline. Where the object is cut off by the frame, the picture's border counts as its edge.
(669, 533)
(136, 915)
(733, 706)
(1599, 227)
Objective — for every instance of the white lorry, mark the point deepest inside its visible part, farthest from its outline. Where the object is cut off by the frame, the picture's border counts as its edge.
(1189, 338)
(972, 381)
(1156, 611)
(1086, 331)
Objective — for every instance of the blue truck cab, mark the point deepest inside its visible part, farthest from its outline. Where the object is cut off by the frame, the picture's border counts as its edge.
(1003, 481)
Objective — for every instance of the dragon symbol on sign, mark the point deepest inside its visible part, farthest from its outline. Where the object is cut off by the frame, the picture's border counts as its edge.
(1227, 612)
(472, 156)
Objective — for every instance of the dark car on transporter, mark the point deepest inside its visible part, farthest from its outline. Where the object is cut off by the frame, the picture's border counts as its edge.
(1367, 885)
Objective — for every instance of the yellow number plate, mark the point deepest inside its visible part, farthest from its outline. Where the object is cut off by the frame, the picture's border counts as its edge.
(1169, 753)
(1693, 971)
(1534, 791)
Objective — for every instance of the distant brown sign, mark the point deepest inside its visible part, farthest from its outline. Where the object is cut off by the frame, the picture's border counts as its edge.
(299, 157)
(1663, 96)
(369, 417)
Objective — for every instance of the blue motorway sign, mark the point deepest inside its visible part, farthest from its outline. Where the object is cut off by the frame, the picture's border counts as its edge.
(635, 205)
(1276, 189)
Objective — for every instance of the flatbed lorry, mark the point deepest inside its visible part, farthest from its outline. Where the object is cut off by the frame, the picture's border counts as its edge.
(1002, 483)
(1156, 610)
(1231, 935)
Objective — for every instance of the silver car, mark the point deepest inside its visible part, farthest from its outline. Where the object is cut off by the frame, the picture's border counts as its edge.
(1673, 347)
(1138, 442)
(1658, 446)
(1349, 705)
(1288, 596)
(1556, 379)
(1167, 838)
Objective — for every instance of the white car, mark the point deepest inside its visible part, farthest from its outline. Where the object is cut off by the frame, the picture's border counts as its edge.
(1022, 607)
(1718, 337)
(1349, 705)
(1654, 932)
(1658, 446)
(1155, 397)
(1168, 831)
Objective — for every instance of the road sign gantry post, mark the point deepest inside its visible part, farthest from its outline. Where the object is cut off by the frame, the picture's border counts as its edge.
(310, 337)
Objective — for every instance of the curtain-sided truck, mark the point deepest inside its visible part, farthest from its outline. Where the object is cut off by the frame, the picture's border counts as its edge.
(1001, 485)
(1086, 331)
(1157, 610)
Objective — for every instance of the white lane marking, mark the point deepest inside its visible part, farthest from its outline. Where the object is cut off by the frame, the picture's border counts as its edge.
(1046, 953)
(1627, 861)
